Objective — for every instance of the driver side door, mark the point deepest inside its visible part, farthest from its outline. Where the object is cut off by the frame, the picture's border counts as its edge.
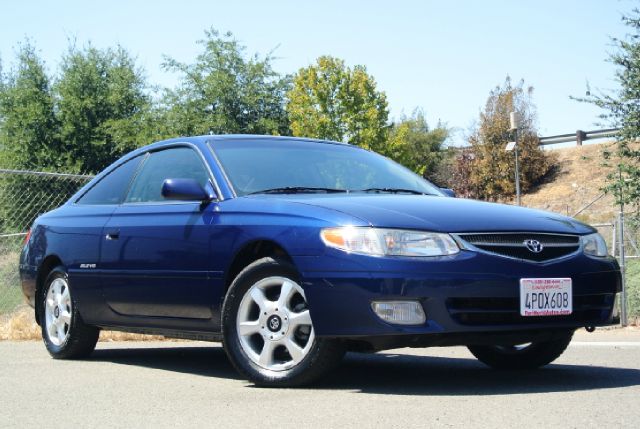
(156, 252)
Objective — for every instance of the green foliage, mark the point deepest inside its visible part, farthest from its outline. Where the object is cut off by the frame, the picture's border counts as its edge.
(331, 101)
(94, 113)
(102, 107)
(413, 144)
(492, 167)
(224, 91)
(632, 278)
(623, 110)
(29, 127)
(28, 132)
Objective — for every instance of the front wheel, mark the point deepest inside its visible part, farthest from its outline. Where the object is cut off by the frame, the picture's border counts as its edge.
(268, 332)
(522, 356)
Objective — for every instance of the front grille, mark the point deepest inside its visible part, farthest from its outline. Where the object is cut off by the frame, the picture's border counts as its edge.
(506, 311)
(513, 245)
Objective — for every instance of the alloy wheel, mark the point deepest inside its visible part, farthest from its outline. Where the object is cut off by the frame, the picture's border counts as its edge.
(274, 325)
(58, 312)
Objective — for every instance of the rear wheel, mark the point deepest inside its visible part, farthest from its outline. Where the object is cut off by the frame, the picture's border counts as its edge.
(64, 333)
(522, 356)
(268, 332)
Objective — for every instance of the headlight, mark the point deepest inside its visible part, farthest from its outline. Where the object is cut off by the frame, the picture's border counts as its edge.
(389, 242)
(594, 245)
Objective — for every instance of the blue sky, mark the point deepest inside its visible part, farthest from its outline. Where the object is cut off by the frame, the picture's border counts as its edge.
(441, 56)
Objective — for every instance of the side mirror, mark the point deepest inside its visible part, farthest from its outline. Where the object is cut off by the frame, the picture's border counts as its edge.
(186, 190)
(448, 192)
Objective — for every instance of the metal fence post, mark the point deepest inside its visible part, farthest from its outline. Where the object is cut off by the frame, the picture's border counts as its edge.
(614, 234)
(623, 294)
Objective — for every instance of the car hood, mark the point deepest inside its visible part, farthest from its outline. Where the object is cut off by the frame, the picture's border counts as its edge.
(442, 214)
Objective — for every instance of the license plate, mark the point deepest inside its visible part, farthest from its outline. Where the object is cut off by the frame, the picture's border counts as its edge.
(545, 297)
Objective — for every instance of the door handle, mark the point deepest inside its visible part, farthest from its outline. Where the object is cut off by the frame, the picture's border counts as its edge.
(112, 235)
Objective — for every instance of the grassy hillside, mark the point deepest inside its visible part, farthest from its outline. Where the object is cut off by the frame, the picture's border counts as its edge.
(576, 181)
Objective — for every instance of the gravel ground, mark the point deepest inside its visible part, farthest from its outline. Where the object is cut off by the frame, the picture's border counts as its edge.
(184, 384)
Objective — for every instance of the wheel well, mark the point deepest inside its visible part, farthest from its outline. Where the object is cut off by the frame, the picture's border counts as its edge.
(252, 252)
(50, 262)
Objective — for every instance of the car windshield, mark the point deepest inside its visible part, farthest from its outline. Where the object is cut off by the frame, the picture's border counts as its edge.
(298, 166)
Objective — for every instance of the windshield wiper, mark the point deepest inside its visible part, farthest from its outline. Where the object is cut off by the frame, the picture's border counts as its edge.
(298, 190)
(391, 191)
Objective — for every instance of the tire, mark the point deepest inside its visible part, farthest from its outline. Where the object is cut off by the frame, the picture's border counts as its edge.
(527, 356)
(64, 333)
(267, 329)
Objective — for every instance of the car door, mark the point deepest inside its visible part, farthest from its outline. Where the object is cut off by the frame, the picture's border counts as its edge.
(155, 252)
(80, 231)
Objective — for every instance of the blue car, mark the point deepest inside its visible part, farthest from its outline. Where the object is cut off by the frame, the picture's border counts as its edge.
(293, 251)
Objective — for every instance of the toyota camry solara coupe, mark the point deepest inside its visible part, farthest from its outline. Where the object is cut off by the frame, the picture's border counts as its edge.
(292, 251)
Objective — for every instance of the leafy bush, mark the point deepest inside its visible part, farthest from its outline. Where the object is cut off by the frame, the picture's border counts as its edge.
(488, 169)
(417, 146)
(633, 288)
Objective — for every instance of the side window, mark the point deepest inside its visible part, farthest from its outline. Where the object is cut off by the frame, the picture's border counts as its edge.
(176, 163)
(112, 188)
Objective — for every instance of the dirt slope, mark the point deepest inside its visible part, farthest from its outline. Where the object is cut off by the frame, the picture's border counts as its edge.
(578, 180)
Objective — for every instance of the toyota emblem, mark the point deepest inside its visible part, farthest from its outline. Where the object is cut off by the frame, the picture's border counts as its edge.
(274, 323)
(534, 246)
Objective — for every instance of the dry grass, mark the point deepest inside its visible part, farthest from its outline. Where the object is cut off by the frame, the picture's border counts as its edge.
(576, 181)
(20, 326)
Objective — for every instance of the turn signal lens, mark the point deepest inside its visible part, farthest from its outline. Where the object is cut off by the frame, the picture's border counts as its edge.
(594, 245)
(389, 242)
(26, 238)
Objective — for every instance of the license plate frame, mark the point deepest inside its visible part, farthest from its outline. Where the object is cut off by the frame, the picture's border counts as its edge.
(545, 297)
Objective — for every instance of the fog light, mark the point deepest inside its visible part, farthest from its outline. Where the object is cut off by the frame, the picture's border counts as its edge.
(399, 312)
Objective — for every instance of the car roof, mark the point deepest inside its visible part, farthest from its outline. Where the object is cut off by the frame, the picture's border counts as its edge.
(213, 138)
(237, 137)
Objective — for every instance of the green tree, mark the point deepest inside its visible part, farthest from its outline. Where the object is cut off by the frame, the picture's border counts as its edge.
(103, 107)
(493, 169)
(28, 140)
(622, 110)
(415, 145)
(28, 126)
(331, 101)
(224, 91)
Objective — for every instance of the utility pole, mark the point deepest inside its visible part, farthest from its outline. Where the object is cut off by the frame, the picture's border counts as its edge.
(513, 119)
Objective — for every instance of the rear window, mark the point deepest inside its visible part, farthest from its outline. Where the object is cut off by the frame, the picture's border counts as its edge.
(112, 188)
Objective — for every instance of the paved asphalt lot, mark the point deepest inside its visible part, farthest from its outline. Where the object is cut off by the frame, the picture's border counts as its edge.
(184, 384)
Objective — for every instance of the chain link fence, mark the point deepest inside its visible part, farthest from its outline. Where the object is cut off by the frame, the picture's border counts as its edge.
(24, 195)
(626, 247)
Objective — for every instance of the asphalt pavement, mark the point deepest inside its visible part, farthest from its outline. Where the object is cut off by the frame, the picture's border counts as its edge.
(596, 383)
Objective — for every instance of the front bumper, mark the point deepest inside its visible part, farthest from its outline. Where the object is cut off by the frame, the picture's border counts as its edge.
(466, 293)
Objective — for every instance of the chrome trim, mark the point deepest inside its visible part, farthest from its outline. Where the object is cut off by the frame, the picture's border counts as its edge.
(523, 245)
(561, 234)
(221, 169)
